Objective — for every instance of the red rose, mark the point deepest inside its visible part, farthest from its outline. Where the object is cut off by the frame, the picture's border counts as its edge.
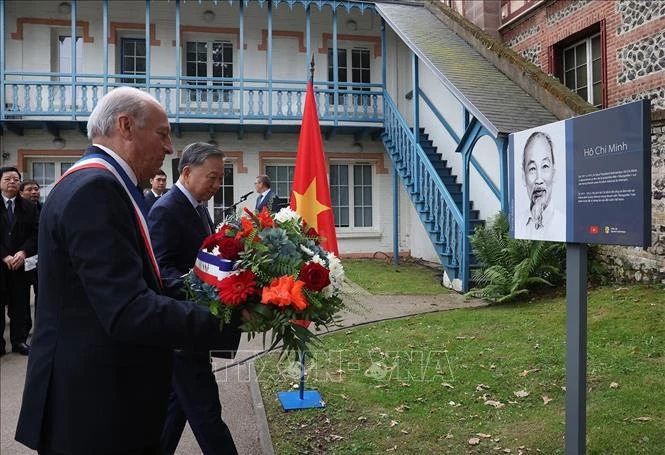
(229, 248)
(235, 289)
(315, 276)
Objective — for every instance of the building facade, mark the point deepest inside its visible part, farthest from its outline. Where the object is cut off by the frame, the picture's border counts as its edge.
(609, 53)
(415, 112)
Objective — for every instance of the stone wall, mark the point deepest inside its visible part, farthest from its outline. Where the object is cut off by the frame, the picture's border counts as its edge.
(635, 69)
(636, 264)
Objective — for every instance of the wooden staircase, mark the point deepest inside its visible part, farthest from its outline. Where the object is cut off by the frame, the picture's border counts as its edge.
(435, 192)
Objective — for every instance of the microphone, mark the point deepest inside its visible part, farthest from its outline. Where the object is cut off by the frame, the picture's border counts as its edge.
(245, 196)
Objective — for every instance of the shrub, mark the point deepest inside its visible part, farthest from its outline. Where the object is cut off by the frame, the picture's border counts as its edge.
(509, 268)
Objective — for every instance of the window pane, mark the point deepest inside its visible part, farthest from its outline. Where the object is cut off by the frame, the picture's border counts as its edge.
(580, 54)
(597, 94)
(568, 59)
(569, 79)
(581, 76)
(596, 70)
(595, 47)
(224, 196)
(582, 92)
(49, 173)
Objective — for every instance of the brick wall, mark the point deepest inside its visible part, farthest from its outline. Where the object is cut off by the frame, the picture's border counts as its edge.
(635, 53)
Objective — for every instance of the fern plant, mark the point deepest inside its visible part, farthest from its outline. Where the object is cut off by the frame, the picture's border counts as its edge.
(509, 268)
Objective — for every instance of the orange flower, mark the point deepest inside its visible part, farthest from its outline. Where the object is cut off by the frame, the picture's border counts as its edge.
(247, 227)
(265, 218)
(285, 291)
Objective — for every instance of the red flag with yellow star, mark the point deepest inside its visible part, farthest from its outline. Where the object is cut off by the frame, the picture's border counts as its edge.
(311, 194)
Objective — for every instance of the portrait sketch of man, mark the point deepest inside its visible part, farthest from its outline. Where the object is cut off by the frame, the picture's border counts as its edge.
(540, 189)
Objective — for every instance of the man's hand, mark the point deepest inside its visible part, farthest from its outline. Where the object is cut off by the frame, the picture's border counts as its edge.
(8, 261)
(17, 261)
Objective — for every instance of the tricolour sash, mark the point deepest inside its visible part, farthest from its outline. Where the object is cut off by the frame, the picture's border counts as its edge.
(99, 161)
(212, 269)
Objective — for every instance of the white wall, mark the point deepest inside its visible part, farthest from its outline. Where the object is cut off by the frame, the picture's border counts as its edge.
(486, 153)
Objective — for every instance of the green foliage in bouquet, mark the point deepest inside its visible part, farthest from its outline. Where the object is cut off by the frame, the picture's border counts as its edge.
(510, 267)
(277, 271)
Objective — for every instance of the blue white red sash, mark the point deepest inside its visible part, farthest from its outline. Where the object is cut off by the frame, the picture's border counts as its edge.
(99, 161)
(212, 269)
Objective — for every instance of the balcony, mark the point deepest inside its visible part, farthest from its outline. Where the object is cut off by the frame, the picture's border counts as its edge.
(48, 96)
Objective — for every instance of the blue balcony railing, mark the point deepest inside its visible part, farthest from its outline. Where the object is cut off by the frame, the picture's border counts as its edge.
(56, 96)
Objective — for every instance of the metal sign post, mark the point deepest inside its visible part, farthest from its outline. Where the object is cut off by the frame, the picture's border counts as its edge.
(576, 321)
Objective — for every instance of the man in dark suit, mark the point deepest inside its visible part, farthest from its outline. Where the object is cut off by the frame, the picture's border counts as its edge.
(157, 189)
(29, 191)
(18, 226)
(100, 366)
(266, 195)
(178, 223)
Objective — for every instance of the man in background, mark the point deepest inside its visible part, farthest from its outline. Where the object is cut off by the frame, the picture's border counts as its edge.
(157, 188)
(266, 195)
(18, 231)
(29, 191)
(179, 222)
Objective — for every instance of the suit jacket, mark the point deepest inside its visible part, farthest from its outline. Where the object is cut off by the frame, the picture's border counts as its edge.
(22, 234)
(150, 199)
(266, 201)
(99, 371)
(177, 232)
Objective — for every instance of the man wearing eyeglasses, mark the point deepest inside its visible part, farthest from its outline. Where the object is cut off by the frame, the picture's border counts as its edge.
(18, 231)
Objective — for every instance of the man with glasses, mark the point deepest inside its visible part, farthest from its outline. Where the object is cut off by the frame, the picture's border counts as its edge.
(18, 231)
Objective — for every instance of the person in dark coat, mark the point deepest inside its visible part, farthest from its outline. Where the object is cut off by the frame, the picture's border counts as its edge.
(30, 191)
(178, 223)
(266, 194)
(18, 240)
(99, 371)
(157, 189)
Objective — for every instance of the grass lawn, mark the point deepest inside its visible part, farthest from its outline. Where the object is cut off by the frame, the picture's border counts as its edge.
(381, 277)
(481, 381)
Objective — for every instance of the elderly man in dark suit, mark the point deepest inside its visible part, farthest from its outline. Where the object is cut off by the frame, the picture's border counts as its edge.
(18, 240)
(99, 371)
(178, 223)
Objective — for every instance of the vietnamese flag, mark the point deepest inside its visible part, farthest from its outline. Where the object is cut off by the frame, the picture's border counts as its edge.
(310, 197)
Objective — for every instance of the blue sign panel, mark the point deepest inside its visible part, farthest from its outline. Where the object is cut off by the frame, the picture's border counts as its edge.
(585, 179)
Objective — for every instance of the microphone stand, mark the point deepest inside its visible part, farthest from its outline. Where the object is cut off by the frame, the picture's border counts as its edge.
(228, 211)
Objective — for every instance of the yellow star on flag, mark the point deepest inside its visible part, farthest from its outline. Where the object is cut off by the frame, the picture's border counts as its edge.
(308, 207)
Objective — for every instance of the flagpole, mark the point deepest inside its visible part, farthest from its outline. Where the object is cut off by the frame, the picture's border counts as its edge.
(304, 399)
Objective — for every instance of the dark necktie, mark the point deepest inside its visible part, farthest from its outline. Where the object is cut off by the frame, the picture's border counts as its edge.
(203, 213)
(258, 201)
(10, 211)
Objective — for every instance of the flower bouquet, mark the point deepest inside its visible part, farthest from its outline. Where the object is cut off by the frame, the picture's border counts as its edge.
(274, 267)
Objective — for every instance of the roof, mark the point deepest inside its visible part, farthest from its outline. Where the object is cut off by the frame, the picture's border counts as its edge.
(496, 101)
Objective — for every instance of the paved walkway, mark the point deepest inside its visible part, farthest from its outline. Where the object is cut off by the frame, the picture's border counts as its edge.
(241, 401)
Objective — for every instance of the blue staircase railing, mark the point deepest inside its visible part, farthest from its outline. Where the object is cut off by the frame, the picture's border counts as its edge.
(436, 206)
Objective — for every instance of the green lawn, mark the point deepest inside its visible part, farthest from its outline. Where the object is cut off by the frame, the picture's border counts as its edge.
(382, 278)
(481, 381)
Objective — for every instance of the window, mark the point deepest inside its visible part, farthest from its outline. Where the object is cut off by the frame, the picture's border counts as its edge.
(281, 178)
(46, 173)
(132, 59)
(65, 54)
(61, 62)
(209, 59)
(351, 194)
(357, 70)
(224, 197)
(582, 69)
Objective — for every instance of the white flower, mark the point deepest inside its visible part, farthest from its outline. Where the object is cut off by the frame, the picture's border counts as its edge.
(286, 214)
(317, 259)
(336, 271)
(307, 250)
